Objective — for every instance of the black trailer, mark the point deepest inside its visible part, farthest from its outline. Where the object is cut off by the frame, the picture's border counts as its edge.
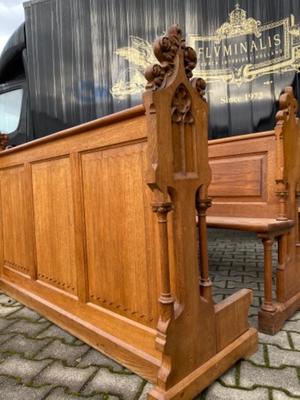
(77, 60)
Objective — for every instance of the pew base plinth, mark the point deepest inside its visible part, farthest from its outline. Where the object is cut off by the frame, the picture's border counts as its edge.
(206, 374)
(271, 322)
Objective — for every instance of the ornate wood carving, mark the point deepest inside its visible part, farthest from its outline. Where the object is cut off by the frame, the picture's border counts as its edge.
(178, 172)
(181, 106)
(287, 148)
(288, 106)
(161, 76)
(166, 49)
(3, 141)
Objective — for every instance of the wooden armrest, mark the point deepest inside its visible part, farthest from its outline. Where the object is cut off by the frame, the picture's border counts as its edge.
(258, 225)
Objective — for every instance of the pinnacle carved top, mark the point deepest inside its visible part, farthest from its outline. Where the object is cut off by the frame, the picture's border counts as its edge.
(166, 50)
(288, 106)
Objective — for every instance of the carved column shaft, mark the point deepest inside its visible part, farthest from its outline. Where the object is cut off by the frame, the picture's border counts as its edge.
(282, 259)
(268, 284)
(166, 299)
(205, 283)
(298, 215)
(282, 194)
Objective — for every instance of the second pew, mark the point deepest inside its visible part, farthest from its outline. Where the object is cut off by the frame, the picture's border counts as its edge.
(255, 187)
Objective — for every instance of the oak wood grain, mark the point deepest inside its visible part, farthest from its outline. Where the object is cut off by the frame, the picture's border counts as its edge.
(109, 211)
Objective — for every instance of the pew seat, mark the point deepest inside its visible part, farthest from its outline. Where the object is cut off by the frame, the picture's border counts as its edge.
(256, 225)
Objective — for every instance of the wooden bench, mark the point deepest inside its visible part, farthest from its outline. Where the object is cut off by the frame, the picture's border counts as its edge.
(98, 234)
(254, 188)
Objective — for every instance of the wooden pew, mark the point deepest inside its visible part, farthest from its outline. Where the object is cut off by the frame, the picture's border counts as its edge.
(255, 187)
(98, 234)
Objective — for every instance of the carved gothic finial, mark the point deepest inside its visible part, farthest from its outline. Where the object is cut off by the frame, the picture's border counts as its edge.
(288, 106)
(200, 85)
(167, 49)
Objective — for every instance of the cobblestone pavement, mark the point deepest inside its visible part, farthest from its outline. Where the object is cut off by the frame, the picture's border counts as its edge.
(39, 361)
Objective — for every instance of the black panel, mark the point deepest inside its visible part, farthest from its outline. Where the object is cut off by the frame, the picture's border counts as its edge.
(11, 62)
(80, 65)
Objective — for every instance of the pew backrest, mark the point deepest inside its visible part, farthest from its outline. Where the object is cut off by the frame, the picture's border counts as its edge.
(253, 174)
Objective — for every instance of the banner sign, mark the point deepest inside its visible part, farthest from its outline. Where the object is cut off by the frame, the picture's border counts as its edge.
(248, 52)
(241, 50)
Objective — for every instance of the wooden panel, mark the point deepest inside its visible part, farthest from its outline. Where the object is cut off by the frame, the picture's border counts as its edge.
(54, 223)
(111, 130)
(118, 215)
(240, 176)
(231, 317)
(243, 176)
(16, 252)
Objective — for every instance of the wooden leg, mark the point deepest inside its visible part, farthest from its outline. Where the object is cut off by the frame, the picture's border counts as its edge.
(280, 276)
(268, 305)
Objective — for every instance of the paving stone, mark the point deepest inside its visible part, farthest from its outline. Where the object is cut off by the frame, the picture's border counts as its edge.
(93, 357)
(229, 378)
(248, 279)
(6, 300)
(10, 389)
(218, 298)
(78, 342)
(295, 317)
(296, 340)
(4, 323)
(7, 310)
(292, 326)
(280, 357)
(285, 378)
(253, 286)
(61, 351)
(4, 338)
(22, 344)
(277, 395)
(123, 385)
(219, 392)
(145, 391)
(280, 339)
(252, 310)
(26, 328)
(220, 278)
(258, 357)
(257, 301)
(224, 274)
(62, 394)
(253, 321)
(25, 313)
(220, 285)
(247, 275)
(237, 264)
(69, 377)
(55, 332)
(20, 368)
